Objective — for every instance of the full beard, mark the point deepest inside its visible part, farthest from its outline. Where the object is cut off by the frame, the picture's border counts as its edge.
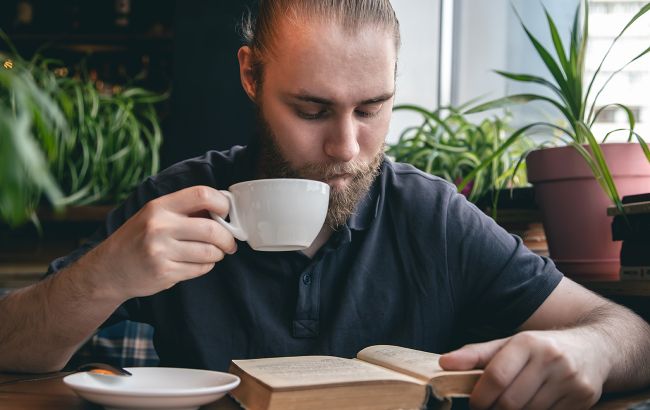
(343, 201)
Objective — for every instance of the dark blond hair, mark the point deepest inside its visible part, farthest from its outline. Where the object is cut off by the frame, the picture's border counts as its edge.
(259, 32)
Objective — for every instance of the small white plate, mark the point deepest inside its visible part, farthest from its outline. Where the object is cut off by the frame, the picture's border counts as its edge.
(153, 388)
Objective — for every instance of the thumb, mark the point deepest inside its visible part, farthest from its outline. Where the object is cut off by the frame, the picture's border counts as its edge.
(472, 356)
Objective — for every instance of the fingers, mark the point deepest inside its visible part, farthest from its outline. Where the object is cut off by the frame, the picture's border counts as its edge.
(529, 383)
(548, 396)
(503, 368)
(195, 199)
(473, 356)
(205, 230)
(530, 370)
(196, 252)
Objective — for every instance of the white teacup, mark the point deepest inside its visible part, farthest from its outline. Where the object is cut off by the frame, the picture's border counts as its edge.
(276, 214)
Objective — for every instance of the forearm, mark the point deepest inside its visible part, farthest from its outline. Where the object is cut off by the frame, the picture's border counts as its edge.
(44, 324)
(622, 338)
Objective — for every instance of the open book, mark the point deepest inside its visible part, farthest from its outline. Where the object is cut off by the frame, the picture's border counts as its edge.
(381, 377)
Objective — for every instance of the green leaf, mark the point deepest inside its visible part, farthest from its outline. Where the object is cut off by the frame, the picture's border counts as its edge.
(553, 68)
(628, 112)
(601, 170)
(527, 78)
(559, 47)
(520, 99)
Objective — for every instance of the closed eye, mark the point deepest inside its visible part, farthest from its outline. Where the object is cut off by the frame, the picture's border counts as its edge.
(311, 115)
(369, 110)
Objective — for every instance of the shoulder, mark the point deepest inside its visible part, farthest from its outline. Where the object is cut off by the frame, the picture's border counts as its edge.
(410, 191)
(405, 182)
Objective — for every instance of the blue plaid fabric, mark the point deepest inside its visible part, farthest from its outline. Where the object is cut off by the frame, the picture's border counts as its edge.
(125, 344)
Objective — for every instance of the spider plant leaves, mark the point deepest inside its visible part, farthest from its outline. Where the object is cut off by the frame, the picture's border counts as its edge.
(553, 67)
(448, 145)
(559, 47)
(77, 146)
(628, 112)
(496, 154)
(517, 99)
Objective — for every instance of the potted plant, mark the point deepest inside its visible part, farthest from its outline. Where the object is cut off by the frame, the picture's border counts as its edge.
(575, 184)
(67, 140)
(445, 143)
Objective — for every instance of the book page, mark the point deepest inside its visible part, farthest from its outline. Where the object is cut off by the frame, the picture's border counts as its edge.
(417, 363)
(308, 371)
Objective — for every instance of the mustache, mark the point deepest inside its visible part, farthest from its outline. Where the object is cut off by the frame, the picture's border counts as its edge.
(330, 170)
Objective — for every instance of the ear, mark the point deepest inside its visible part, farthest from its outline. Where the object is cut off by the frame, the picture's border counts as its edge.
(245, 57)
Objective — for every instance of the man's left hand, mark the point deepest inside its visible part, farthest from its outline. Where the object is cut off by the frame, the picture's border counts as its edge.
(534, 370)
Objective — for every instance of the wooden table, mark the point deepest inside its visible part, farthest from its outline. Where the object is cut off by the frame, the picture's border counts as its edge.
(52, 394)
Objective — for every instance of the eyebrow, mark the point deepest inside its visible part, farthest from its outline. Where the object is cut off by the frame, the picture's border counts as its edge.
(324, 101)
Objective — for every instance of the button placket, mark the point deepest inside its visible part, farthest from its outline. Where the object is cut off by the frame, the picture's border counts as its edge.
(306, 319)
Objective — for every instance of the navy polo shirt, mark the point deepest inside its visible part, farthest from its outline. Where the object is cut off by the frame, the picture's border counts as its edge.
(415, 266)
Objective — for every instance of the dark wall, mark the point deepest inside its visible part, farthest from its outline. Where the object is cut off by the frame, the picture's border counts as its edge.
(209, 107)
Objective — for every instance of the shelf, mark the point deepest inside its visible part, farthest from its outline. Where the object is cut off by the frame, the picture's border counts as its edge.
(620, 288)
(89, 213)
(94, 43)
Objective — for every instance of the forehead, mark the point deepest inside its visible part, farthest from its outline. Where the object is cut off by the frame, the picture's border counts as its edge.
(324, 59)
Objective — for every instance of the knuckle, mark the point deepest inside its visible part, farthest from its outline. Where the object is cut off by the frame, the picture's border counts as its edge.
(527, 338)
(570, 368)
(219, 255)
(202, 193)
(552, 352)
(207, 252)
(151, 229)
(496, 378)
(214, 253)
(152, 252)
(212, 231)
(585, 388)
(151, 208)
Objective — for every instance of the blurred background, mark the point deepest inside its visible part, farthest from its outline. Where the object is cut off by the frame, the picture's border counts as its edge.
(167, 72)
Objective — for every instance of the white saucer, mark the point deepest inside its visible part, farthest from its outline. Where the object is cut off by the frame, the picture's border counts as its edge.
(153, 388)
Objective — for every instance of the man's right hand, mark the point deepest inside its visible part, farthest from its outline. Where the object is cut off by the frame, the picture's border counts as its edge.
(163, 244)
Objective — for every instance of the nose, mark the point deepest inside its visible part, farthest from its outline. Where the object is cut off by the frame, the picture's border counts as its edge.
(342, 144)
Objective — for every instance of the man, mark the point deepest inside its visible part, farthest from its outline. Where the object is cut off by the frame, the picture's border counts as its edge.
(402, 258)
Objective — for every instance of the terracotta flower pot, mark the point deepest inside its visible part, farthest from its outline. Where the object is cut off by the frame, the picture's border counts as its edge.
(574, 206)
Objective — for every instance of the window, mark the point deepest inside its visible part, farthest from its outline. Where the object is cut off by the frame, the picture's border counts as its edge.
(417, 68)
(629, 87)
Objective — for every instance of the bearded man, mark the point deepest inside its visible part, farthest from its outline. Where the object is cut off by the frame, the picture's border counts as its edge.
(402, 258)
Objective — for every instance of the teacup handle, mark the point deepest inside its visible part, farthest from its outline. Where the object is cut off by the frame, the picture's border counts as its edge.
(234, 227)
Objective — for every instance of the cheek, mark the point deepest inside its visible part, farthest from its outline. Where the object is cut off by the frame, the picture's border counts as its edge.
(372, 136)
(295, 138)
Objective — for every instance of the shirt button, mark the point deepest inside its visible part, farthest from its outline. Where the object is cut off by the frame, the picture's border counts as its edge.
(306, 278)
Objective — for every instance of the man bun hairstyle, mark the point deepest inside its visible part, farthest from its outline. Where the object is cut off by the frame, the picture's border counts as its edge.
(259, 31)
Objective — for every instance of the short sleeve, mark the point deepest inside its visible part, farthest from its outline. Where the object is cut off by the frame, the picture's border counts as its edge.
(497, 281)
